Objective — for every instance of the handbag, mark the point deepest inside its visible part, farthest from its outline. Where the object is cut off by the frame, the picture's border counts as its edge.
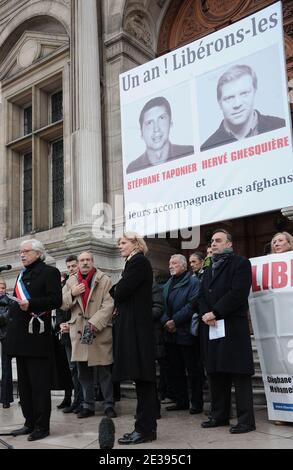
(194, 324)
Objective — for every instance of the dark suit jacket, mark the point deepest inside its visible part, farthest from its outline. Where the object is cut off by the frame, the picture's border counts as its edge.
(222, 137)
(226, 295)
(43, 284)
(175, 151)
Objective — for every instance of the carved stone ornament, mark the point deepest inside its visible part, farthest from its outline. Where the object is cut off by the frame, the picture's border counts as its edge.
(289, 48)
(28, 53)
(31, 46)
(137, 26)
(287, 9)
(219, 9)
(8, 9)
(186, 27)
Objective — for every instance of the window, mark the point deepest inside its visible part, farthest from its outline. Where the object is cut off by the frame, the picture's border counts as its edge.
(27, 193)
(57, 106)
(27, 120)
(57, 183)
(34, 147)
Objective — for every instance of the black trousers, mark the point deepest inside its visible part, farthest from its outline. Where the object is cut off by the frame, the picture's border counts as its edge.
(181, 359)
(6, 379)
(34, 383)
(221, 397)
(146, 408)
(77, 394)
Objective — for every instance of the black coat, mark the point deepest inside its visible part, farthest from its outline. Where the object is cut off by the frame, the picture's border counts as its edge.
(5, 306)
(226, 295)
(134, 357)
(158, 309)
(43, 284)
(61, 377)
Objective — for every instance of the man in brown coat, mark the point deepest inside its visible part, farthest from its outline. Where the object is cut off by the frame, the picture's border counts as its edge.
(86, 294)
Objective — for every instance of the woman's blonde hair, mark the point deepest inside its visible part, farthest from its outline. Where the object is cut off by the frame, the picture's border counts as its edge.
(137, 240)
(288, 237)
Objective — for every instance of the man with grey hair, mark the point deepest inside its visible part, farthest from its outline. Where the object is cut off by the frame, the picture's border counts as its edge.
(29, 338)
(86, 294)
(180, 293)
(236, 91)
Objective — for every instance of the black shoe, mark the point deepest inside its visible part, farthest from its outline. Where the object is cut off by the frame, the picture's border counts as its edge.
(110, 412)
(177, 407)
(6, 405)
(77, 409)
(167, 400)
(195, 411)
(213, 423)
(128, 434)
(241, 428)
(137, 438)
(70, 409)
(21, 431)
(64, 404)
(38, 434)
(85, 413)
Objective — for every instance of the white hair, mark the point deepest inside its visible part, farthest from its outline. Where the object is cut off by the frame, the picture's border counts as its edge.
(36, 246)
(182, 260)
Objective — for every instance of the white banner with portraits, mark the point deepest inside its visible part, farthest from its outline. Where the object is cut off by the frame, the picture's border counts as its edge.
(271, 310)
(206, 129)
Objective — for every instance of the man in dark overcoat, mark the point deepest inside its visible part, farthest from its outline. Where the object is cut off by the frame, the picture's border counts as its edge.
(29, 337)
(228, 358)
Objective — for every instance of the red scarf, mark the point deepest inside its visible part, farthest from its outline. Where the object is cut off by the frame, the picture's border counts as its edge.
(86, 282)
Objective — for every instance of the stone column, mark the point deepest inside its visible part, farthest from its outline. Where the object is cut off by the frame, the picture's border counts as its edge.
(87, 171)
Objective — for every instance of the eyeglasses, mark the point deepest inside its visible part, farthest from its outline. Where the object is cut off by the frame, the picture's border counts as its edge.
(23, 252)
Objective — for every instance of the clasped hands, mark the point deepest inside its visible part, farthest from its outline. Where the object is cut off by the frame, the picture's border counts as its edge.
(170, 326)
(209, 318)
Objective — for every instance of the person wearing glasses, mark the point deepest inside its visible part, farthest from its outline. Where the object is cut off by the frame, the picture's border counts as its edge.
(29, 337)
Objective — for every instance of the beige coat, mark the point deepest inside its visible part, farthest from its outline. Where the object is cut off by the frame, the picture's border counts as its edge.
(99, 310)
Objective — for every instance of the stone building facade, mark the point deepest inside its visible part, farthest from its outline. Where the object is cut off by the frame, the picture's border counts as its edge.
(60, 137)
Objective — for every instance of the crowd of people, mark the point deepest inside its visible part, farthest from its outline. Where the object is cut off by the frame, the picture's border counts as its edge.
(75, 331)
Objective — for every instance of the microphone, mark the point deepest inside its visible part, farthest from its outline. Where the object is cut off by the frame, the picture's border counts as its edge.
(6, 267)
(106, 433)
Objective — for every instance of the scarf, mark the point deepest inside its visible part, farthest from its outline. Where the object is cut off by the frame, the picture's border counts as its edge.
(87, 282)
(134, 252)
(219, 258)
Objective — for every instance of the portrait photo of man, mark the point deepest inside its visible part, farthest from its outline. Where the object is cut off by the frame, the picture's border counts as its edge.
(236, 92)
(155, 122)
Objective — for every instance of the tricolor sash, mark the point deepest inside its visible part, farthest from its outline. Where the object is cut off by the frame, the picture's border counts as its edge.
(22, 294)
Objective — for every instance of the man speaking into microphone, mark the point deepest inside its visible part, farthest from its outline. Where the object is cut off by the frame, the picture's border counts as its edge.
(29, 339)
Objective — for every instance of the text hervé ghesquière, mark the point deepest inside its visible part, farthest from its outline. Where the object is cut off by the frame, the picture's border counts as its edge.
(257, 150)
